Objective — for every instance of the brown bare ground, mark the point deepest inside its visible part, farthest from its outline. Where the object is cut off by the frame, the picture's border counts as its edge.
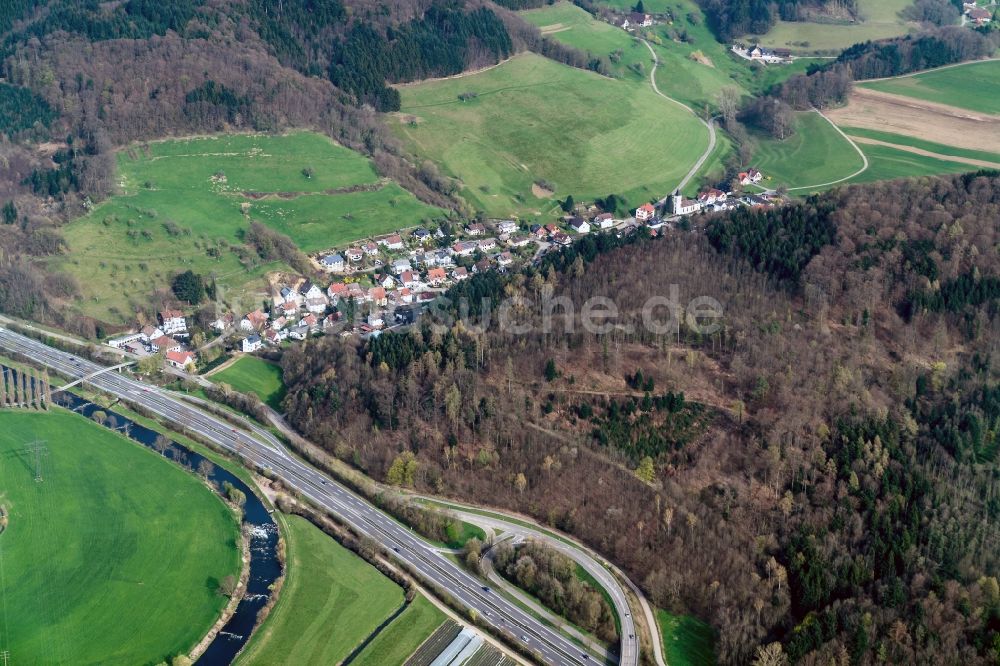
(540, 192)
(927, 153)
(940, 123)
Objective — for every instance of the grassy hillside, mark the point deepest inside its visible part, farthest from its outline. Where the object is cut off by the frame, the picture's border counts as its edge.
(886, 163)
(331, 602)
(535, 120)
(249, 374)
(879, 19)
(185, 203)
(815, 154)
(114, 558)
(974, 86)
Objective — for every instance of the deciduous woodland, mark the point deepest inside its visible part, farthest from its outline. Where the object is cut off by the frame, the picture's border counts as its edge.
(820, 472)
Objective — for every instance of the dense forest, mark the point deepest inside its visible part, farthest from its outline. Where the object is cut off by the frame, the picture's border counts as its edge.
(819, 472)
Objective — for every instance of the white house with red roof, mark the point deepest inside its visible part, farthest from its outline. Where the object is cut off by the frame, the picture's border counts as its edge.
(645, 212)
(180, 359)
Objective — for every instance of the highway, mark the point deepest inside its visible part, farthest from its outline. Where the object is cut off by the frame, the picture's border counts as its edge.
(321, 490)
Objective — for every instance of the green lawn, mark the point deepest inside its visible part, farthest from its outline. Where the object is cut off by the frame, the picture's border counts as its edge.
(687, 641)
(404, 635)
(534, 119)
(114, 558)
(974, 86)
(249, 374)
(904, 140)
(815, 154)
(880, 19)
(331, 602)
(183, 205)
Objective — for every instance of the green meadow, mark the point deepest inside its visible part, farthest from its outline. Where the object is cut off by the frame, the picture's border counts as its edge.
(880, 19)
(815, 154)
(184, 204)
(532, 120)
(974, 86)
(887, 163)
(249, 374)
(330, 603)
(114, 557)
(403, 635)
(687, 641)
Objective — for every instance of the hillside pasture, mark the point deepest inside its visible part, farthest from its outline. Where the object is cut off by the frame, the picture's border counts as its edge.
(880, 19)
(330, 603)
(886, 163)
(532, 119)
(816, 153)
(114, 557)
(974, 86)
(184, 204)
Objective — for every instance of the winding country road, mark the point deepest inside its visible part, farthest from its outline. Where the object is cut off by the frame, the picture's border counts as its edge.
(709, 124)
(864, 159)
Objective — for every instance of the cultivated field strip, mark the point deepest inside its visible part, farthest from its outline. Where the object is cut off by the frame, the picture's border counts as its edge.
(435, 644)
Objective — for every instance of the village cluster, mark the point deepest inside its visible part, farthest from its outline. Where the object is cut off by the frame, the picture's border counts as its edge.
(384, 282)
(169, 337)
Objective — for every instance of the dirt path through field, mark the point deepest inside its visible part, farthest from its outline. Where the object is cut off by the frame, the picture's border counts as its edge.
(928, 153)
(939, 123)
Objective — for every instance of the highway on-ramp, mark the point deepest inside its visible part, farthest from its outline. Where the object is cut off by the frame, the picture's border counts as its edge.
(266, 452)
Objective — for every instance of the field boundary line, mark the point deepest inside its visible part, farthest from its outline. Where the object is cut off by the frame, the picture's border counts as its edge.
(709, 124)
(972, 161)
(864, 158)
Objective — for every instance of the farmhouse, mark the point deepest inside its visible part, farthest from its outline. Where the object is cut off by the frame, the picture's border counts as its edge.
(507, 226)
(172, 322)
(254, 321)
(979, 16)
(645, 212)
(604, 221)
(310, 290)
(750, 177)
(332, 263)
(223, 322)
(464, 248)
(180, 359)
(436, 276)
(637, 20)
(409, 279)
(579, 225)
(164, 343)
